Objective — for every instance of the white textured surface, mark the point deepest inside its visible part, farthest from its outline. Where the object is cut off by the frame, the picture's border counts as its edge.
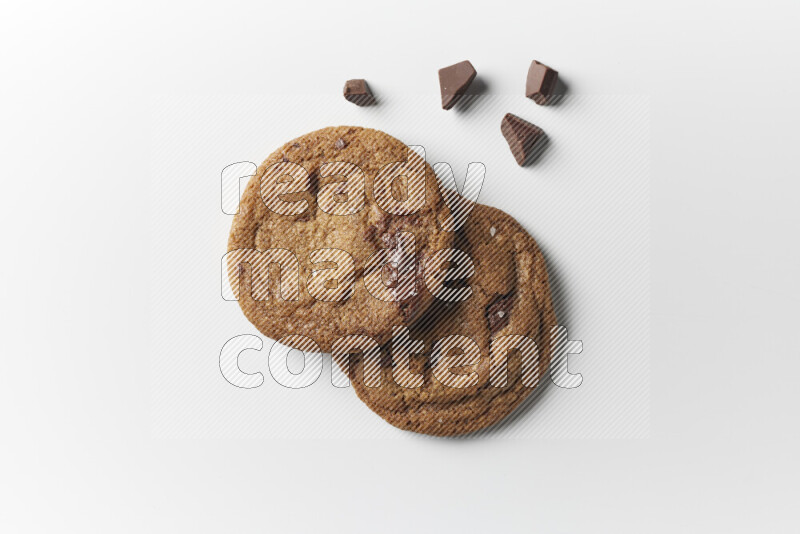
(586, 201)
(78, 449)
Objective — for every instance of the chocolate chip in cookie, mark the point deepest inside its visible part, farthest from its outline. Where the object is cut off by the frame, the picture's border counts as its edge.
(453, 82)
(498, 312)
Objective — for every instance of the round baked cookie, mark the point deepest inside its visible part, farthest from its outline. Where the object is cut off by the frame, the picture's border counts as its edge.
(319, 220)
(510, 303)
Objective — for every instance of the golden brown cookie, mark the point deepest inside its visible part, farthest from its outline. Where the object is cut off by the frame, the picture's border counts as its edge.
(508, 311)
(304, 220)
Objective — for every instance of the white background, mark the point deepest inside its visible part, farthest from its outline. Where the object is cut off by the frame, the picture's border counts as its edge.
(78, 453)
(585, 200)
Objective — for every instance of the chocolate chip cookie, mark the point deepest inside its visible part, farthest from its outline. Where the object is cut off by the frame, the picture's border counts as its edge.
(466, 365)
(327, 234)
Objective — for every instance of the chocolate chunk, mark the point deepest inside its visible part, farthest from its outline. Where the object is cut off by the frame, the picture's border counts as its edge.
(357, 92)
(391, 275)
(541, 83)
(339, 144)
(389, 240)
(409, 308)
(378, 228)
(454, 81)
(498, 312)
(523, 138)
(313, 182)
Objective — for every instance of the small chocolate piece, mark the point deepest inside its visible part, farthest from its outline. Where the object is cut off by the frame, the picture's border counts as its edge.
(391, 275)
(541, 83)
(498, 312)
(340, 144)
(357, 92)
(454, 81)
(522, 137)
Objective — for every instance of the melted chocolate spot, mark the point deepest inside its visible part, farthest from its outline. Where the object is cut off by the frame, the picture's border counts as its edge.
(377, 229)
(498, 312)
(408, 307)
(391, 275)
(390, 240)
(458, 283)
